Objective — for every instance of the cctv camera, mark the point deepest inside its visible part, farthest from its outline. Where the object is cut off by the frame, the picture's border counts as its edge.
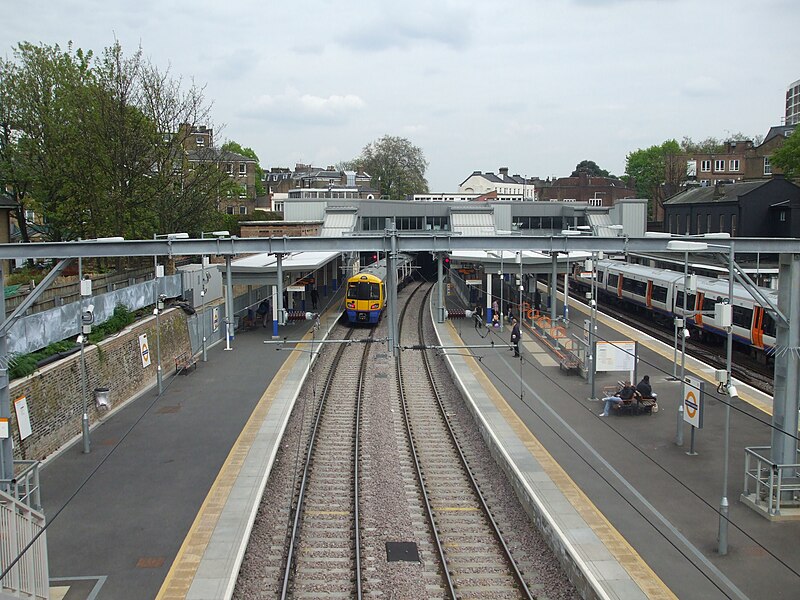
(732, 391)
(686, 333)
(593, 303)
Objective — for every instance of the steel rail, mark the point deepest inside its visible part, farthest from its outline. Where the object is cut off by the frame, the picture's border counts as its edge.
(293, 540)
(426, 500)
(465, 465)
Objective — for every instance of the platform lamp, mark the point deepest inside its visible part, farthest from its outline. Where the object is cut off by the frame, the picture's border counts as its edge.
(159, 301)
(203, 234)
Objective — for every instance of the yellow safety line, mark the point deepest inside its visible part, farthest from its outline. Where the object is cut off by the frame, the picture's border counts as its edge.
(181, 574)
(657, 347)
(631, 561)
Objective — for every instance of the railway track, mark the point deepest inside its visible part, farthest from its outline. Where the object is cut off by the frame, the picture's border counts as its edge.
(323, 555)
(474, 558)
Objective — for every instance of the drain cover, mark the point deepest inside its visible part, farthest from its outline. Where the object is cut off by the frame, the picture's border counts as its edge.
(168, 410)
(150, 562)
(405, 551)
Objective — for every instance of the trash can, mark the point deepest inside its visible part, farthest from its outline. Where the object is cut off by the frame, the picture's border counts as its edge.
(101, 398)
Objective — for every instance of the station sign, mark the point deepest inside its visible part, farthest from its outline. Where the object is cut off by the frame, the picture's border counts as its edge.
(693, 400)
(473, 281)
(296, 288)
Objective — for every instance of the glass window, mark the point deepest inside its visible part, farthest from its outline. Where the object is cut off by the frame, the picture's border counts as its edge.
(242, 168)
(708, 223)
(699, 224)
(767, 166)
(742, 317)
(719, 165)
(242, 210)
(733, 165)
(705, 166)
(768, 325)
(613, 279)
(733, 225)
(229, 168)
(721, 223)
(363, 290)
(659, 293)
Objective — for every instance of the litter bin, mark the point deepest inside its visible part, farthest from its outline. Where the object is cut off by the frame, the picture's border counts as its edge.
(101, 398)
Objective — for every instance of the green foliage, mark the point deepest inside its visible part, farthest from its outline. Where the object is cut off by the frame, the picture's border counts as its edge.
(656, 172)
(787, 157)
(591, 168)
(24, 276)
(95, 144)
(396, 166)
(235, 147)
(121, 318)
(25, 364)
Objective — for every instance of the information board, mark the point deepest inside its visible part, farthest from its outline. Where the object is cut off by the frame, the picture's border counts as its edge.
(615, 356)
(23, 417)
(144, 350)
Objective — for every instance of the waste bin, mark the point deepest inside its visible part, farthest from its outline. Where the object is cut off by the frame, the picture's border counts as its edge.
(101, 398)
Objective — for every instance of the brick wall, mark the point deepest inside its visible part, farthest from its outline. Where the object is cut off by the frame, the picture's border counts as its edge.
(54, 392)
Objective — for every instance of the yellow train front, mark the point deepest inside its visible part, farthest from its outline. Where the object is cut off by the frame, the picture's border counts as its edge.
(365, 298)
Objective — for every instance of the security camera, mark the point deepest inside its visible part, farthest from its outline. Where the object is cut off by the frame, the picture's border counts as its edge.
(593, 303)
(162, 297)
(732, 391)
(686, 333)
(155, 311)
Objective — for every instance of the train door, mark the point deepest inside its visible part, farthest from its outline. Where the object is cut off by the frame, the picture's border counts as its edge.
(619, 285)
(383, 295)
(757, 326)
(698, 318)
(649, 297)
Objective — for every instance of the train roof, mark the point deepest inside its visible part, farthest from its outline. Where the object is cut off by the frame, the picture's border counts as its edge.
(660, 275)
(378, 269)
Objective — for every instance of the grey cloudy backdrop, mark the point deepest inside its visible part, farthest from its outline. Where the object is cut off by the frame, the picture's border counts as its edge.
(534, 85)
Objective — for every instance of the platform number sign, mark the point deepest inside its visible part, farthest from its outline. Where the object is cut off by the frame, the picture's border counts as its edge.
(693, 402)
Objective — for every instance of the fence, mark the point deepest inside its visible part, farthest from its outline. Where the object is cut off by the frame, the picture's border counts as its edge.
(773, 485)
(19, 525)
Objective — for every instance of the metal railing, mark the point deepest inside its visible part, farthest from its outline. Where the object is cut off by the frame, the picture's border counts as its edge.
(19, 525)
(24, 487)
(769, 484)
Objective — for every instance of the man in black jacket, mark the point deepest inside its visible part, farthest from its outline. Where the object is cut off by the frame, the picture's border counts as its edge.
(628, 392)
(645, 389)
(515, 335)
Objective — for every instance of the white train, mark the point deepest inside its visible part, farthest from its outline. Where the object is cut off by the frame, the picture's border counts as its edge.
(659, 292)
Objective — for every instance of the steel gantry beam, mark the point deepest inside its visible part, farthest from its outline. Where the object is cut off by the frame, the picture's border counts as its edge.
(405, 242)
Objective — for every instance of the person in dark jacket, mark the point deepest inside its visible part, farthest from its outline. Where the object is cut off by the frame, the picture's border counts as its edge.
(478, 315)
(264, 312)
(645, 389)
(628, 392)
(515, 336)
(314, 298)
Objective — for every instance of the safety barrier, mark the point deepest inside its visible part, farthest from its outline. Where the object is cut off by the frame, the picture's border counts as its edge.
(773, 485)
(19, 524)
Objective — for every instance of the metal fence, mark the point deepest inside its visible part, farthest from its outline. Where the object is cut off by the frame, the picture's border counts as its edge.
(769, 485)
(19, 525)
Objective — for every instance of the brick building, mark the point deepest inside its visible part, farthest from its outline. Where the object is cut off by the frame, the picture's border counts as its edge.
(595, 191)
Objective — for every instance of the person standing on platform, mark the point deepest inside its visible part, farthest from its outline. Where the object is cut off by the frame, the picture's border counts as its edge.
(314, 298)
(495, 309)
(515, 336)
(478, 315)
(537, 300)
(264, 312)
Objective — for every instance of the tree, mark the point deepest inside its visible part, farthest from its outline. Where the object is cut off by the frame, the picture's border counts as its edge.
(656, 173)
(591, 168)
(234, 147)
(787, 157)
(396, 166)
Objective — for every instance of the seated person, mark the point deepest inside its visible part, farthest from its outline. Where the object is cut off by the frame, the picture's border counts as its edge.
(645, 389)
(628, 392)
(495, 320)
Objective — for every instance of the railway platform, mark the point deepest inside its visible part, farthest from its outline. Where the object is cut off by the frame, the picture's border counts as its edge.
(632, 482)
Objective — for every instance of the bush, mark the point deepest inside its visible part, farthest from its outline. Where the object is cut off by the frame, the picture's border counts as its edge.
(121, 318)
(25, 364)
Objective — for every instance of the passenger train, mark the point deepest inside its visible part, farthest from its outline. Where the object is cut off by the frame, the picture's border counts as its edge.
(365, 299)
(659, 293)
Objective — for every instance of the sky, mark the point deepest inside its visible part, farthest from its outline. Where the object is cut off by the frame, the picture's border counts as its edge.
(536, 86)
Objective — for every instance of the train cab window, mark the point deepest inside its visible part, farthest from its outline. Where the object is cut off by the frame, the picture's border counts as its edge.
(659, 293)
(363, 290)
(599, 276)
(692, 299)
(613, 279)
(637, 288)
(768, 325)
(708, 304)
(742, 317)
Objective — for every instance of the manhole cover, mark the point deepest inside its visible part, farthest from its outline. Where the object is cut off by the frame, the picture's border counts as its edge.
(405, 551)
(167, 410)
(150, 562)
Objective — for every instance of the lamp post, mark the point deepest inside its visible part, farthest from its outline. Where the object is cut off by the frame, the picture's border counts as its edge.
(159, 302)
(502, 279)
(203, 290)
(85, 319)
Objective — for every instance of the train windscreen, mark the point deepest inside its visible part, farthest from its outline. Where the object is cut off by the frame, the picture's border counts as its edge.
(363, 290)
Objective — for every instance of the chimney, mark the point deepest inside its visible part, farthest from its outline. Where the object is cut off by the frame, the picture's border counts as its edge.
(503, 172)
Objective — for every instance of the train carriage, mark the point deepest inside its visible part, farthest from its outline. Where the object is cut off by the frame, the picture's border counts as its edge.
(366, 297)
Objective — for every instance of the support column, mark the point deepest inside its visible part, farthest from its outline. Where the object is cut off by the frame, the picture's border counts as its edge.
(275, 310)
(6, 444)
(281, 309)
(553, 287)
(228, 303)
(391, 277)
(440, 287)
(488, 310)
(787, 378)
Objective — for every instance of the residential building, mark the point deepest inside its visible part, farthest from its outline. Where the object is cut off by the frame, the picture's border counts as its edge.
(725, 166)
(595, 191)
(198, 143)
(507, 187)
(758, 208)
(757, 163)
(793, 104)
(282, 183)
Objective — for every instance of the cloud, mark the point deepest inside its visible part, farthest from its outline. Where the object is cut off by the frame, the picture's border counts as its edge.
(699, 87)
(448, 26)
(292, 106)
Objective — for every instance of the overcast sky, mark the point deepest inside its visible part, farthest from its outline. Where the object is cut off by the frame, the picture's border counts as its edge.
(535, 85)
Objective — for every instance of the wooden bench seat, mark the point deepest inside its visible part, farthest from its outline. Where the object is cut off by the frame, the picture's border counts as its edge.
(184, 362)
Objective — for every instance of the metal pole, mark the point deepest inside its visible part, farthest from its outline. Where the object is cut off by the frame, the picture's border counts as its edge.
(6, 444)
(392, 271)
(203, 300)
(675, 352)
(439, 285)
(502, 281)
(566, 293)
(679, 429)
(553, 285)
(685, 324)
(520, 316)
(488, 311)
(281, 314)
(723, 503)
(592, 328)
(85, 418)
(158, 328)
(228, 302)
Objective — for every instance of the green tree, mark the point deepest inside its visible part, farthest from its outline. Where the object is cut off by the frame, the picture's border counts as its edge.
(656, 173)
(234, 147)
(787, 157)
(396, 166)
(591, 168)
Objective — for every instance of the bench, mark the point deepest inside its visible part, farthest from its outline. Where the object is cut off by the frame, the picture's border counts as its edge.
(183, 362)
(569, 362)
(637, 406)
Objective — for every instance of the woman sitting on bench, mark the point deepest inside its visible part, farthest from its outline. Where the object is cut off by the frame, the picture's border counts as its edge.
(645, 389)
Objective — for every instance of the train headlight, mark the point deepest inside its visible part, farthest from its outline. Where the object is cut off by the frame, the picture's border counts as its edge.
(351, 305)
(374, 306)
